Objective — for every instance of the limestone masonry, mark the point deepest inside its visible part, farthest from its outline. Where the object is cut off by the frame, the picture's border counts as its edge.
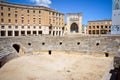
(16, 46)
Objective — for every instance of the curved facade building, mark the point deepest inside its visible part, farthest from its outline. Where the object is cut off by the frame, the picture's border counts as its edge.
(20, 20)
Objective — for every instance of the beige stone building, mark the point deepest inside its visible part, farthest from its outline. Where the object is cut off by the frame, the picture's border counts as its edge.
(84, 29)
(74, 23)
(99, 26)
(20, 19)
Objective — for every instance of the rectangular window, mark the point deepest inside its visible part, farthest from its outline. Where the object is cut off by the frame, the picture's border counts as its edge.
(16, 21)
(34, 27)
(15, 11)
(97, 26)
(23, 32)
(93, 31)
(28, 27)
(9, 14)
(28, 21)
(101, 27)
(22, 14)
(97, 31)
(15, 15)
(8, 9)
(16, 33)
(105, 26)
(89, 31)
(39, 32)
(22, 17)
(16, 27)
(93, 27)
(22, 27)
(33, 11)
(1, 8)
(9, 20)
(39, 27)
(28, 11)
(9, 33)
(89, 27)
(2, 20)
(109, 26)
(2, 14)
(22, 21)
(39, 11)
(3, 33)
(34, 32)
(9, 27)
(2, 27)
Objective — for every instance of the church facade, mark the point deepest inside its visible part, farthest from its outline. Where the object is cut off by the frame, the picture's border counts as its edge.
(74, 23)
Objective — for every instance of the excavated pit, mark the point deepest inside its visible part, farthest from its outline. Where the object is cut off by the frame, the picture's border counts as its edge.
(61, 65)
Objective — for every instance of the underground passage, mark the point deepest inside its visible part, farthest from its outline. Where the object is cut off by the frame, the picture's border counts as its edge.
(50, 52)
(106, 54)
(16, 47)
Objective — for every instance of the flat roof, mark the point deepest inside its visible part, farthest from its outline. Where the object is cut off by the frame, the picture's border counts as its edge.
(100, 20)
(27, 6)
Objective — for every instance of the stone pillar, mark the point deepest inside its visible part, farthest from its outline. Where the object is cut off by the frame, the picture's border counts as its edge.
(6, 33)
(26, 32)
(19, 33)
(37, 32)
(55, 33)
(13, 33)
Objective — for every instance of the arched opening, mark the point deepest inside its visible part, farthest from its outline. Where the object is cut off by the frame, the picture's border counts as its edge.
(74, 28)
(50, 52)
(16, 47)
(106, 54)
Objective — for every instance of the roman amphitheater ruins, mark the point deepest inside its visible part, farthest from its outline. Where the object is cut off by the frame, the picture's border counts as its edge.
(51, 51)
(49, 47)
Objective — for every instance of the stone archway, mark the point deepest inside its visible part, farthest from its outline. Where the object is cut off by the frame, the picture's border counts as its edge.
(19, 49)
(74, 28)
(16, 47)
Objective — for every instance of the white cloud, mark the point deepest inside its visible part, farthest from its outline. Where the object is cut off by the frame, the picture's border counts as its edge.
(42, 2)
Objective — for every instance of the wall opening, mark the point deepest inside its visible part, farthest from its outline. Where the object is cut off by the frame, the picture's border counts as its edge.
(49, 52)
(16, 47)
(39, 32)
(10, 33)
(43, 43)
(16, 33)
(3, 33)
(78, 43)
(28, 32)
(34, 32)
(106, 54)
(22, 33)
(29, 44)
(74, 28)
(97, 44)
(60, 43)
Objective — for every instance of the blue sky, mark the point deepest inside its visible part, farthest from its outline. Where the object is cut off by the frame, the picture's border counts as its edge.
(90, 9)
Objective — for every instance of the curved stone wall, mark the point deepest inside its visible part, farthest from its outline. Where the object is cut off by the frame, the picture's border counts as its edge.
(29, 44)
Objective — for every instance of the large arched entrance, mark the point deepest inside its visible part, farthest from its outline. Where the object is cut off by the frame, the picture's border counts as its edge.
(74, 28)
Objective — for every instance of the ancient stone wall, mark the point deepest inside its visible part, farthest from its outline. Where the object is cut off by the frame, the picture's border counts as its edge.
(29, 44)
